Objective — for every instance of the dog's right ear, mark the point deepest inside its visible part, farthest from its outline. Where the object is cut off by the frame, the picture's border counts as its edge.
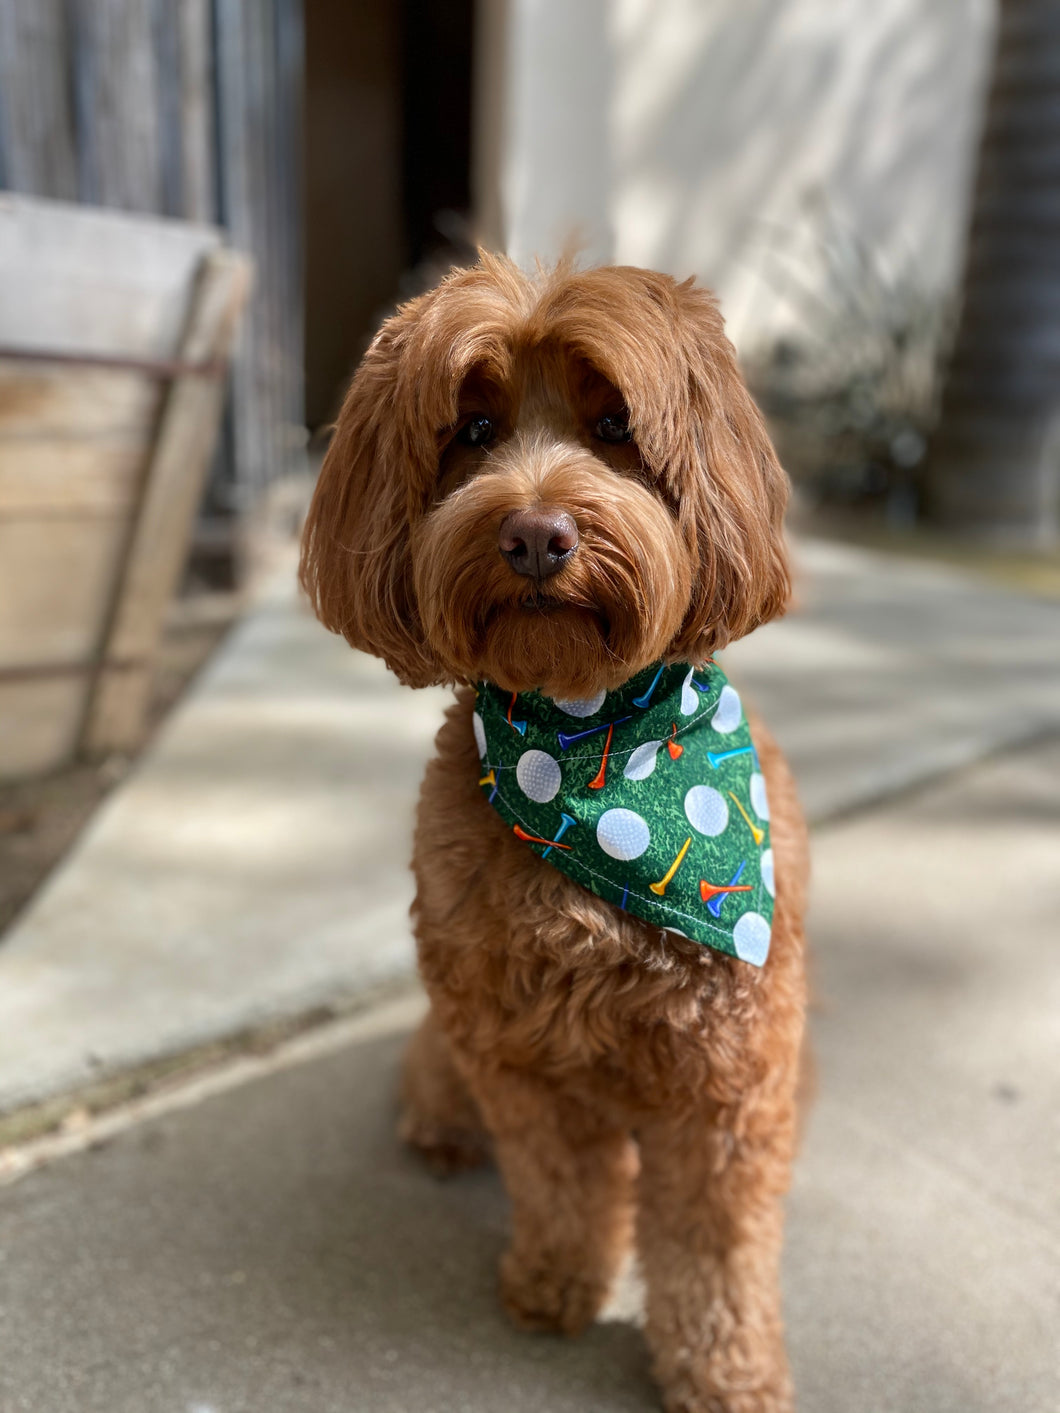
(355, 563)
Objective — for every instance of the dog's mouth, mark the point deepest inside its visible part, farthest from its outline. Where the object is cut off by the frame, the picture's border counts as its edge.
(546, 643)
(542, 603)
(534, 606)
(547, 606)
(537, 604)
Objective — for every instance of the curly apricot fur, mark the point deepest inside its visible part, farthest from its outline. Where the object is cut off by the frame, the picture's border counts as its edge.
(626, 1080)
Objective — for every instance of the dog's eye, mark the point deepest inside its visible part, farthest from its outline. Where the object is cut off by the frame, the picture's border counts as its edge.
(477, 432)
(614, 427)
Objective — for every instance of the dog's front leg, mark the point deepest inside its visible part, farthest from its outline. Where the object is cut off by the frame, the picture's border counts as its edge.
(570, 1179)
(438, 1115)
(709, 1235)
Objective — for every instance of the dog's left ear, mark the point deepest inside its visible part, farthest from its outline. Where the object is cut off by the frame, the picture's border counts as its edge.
(730, 489)
(356, 565)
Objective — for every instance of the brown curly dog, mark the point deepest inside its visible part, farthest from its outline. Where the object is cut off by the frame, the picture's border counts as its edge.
(630, 1082)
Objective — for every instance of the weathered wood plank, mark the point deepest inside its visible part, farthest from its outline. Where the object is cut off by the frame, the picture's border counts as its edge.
(38, 117)
(115, 40)
(196, 110)
(42, 720)
(76, 442)
(59, 576)
(259, 62)
(192, 108)
(73, 439)
(59, 401)
(95, 281)
(73, 477)
(175, 478)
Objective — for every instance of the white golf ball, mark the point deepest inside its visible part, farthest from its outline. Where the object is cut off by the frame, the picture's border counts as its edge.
(581, 706)
(767, 873)
(707, 810)
(750, 937)
(689, 695)
(539, 776)
(641, 762)
(729, 712)
(622, 834)
(759, 798)
(480, 734)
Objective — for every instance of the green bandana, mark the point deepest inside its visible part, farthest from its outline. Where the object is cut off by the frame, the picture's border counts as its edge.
(651, 796)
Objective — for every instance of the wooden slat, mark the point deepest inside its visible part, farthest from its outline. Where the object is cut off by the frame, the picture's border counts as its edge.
(41, 724)
(196, 109)
(38, 117)
(258, 58)
(191, 107)
(165, 34)
(58, 578)
(179, 463)
(116, 42)
(92, 477)
(76, 442)
(61, 401)
(242, 219)
(95, 281)
(73, 438)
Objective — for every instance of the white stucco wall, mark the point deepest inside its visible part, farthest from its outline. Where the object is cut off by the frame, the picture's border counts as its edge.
(688, 134)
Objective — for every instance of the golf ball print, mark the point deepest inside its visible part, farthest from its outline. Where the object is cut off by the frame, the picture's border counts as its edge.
(689, 695)
(750, 937)
(729, 711)
(539, 776)
(649, 796)
(641, 762)
(707, 810)
(480, 735)
(582, 706)
(768, 881)
(759, 798)
(623, 834)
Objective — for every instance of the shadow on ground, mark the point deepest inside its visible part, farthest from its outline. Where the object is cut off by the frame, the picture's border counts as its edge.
(275, 1249)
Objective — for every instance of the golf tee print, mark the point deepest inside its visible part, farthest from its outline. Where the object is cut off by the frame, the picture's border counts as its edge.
(651, 796)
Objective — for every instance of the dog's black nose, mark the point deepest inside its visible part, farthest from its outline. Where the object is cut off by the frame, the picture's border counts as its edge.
(537, 542)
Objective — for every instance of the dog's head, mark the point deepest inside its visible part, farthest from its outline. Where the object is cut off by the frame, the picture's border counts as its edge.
(548, 483)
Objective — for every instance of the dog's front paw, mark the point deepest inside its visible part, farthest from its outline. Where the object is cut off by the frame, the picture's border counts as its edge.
(543, 1295)
(687, 1398)
(446, 1149)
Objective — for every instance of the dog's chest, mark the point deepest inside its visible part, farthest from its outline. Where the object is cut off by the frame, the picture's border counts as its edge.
(620, 1030)
(534, 971)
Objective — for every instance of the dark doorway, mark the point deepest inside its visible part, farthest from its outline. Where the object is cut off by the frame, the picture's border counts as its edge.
(387, 169)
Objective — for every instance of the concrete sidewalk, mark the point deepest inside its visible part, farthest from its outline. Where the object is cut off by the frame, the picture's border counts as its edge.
(273, 1248)
(253, 867)
(263, 1243)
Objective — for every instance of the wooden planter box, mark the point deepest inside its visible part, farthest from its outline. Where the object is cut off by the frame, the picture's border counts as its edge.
(114, 338)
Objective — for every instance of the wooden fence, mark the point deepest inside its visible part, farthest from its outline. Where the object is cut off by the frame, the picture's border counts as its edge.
(191, 109)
